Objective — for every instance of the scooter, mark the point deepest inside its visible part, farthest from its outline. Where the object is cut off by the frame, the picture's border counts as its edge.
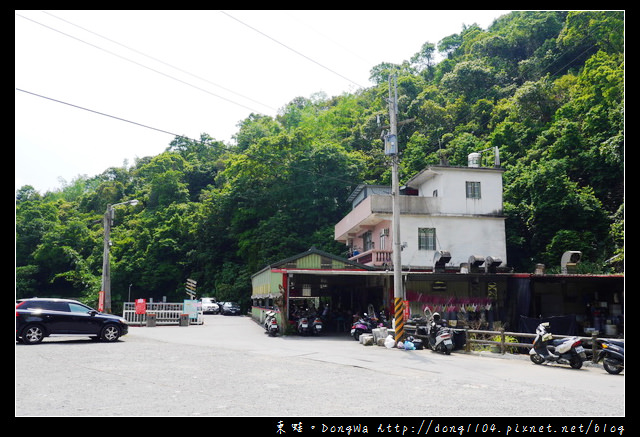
(364, 324)
(440, 335)
(611, 355)
(316, 326)
(271, 323)
(303, 325)
(563, 351)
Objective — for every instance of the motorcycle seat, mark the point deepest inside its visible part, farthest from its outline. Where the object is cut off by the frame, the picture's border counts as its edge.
(616, 343)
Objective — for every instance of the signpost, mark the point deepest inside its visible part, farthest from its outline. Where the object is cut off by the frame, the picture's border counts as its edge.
(191, 288)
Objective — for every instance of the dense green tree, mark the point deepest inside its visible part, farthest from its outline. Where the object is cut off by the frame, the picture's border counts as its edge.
(544, 87)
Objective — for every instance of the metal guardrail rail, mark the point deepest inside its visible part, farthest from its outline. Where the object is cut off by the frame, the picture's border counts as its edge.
(505, 345)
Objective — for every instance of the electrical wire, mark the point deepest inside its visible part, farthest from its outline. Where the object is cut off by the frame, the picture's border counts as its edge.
(349, 182)
(99, 113)
(225, 149)
(160, 61)
(291, 49)
(143, 66)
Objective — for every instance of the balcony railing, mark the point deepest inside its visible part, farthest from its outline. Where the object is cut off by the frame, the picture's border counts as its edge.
(373, 257)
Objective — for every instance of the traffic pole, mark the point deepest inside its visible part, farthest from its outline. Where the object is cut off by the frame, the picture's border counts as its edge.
(399, 319)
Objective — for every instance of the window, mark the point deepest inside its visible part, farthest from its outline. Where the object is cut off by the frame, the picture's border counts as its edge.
(384, 234)
(367, 241)
(75, 308)
(473, 190)
(426, 239)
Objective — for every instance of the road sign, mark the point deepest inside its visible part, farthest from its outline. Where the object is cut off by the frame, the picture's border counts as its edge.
(191, 287)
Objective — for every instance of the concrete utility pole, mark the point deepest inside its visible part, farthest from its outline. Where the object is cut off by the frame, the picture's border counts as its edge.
(107, 221)
(391, 149)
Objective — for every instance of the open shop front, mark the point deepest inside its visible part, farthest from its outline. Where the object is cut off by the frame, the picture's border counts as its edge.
(583, 303)
(318, 282)
(575, 304)
(477, 301)
(314, 279)
(336, 296)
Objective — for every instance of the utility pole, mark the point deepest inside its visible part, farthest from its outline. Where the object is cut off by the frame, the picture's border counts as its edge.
(107, 221)
(391, 149)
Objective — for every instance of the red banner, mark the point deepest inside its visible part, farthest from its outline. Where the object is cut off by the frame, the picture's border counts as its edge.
(141, 306)
(101, 301)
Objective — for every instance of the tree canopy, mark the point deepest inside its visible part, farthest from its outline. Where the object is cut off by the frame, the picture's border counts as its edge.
(546, 88)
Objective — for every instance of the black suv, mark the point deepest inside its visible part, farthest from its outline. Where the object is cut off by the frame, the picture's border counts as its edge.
(39, 317)
(231, 308)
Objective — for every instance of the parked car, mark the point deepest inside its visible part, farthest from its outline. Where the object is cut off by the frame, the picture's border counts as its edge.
(38, 318)
(209, 305)
(231, 308)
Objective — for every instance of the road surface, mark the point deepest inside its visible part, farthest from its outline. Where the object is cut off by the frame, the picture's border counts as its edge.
(229, 367)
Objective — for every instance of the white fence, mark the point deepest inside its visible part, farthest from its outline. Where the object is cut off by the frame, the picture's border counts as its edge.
(165, 314)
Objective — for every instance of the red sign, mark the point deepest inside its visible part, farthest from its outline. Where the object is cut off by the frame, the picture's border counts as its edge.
(101, 301)
(141, 306)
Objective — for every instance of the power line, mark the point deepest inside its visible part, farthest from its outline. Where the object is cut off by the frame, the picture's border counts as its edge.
(99, 113)
(166, 75)
(293, 50)
(142, 65)
(246, 153)
(160, 61)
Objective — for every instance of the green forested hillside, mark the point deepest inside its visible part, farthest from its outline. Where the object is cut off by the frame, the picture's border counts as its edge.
(546, 88)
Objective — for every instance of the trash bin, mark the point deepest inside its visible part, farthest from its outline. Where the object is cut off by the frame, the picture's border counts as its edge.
(184, 319)
(151, 319)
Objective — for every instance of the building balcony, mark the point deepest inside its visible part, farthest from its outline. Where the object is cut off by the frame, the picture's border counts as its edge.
(376, 208)
(373, 257)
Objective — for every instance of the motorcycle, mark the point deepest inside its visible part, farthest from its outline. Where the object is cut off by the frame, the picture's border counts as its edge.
(271, 323)
(316, 326)
(611, 355)
(563, 351)
(440, 335)
(303, 325)
(364, 324)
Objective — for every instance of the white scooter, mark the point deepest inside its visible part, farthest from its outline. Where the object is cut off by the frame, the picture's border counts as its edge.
(563, 351)
(439, 334)
(271, 323)
(316, 326)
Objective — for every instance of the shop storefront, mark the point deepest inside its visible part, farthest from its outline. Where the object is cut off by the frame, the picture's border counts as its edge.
(313, 280)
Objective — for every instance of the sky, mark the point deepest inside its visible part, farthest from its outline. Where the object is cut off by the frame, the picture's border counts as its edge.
(98, 89)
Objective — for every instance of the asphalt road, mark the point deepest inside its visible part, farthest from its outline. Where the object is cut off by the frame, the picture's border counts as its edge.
(229, 367)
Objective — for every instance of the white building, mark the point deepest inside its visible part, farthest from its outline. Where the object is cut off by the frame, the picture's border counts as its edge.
(448, 215)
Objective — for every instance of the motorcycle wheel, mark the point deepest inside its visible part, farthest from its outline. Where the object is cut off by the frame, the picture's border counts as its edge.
(612, 368)
(537, 359)
(575, 363)
(356, 334)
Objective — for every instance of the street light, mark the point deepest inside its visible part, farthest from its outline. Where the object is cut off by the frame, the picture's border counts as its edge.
(106, 271)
